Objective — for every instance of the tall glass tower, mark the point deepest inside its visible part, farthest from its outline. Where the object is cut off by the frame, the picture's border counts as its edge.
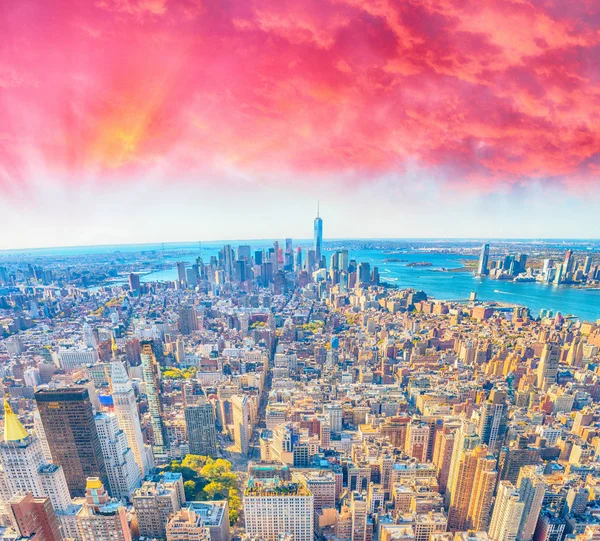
(482, 268)
(151, 376)
(318, 238)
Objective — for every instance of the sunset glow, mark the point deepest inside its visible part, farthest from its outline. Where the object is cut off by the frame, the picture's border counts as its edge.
(480, 96)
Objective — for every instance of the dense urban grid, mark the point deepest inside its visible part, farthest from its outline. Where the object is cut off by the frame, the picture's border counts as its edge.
(278, 395)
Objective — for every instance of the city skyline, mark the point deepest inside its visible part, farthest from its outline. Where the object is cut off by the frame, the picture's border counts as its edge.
(119, 123)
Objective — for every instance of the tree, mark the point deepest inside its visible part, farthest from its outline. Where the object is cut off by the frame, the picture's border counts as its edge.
(235, 504)
(190, 490)
(213, 489)
(195, 462)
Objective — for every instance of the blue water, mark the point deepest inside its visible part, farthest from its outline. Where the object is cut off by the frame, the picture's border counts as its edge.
(582, 303)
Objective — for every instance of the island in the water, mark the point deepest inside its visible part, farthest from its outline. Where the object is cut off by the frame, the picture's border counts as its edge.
(420, 264)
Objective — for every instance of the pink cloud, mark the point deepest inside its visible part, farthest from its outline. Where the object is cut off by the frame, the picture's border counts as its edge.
(488, 92)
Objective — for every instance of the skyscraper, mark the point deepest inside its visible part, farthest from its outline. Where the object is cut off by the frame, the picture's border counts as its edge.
(188, 320)
(532, 488)
(359, 510)
(568, 262)
(471, 497)
(484, 256)
(465, 439)
(201, 432)
(134, 282)
(153, 504)
(126, 410)
(548, 367)
(33, 518)
(275, 257)
(181, 276)
(318, 239)
(25, 466)
(507, 514)
(241, 423)
(122, 470)
(484, 484)
(492, 420)
(151, 375)
(68, 420)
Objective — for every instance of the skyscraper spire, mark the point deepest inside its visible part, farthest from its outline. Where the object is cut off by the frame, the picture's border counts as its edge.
(113, 347)
(13, 429)
(318, 238)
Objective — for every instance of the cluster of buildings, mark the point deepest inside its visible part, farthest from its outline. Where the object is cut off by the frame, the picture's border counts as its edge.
(547, 270)
(349, 411)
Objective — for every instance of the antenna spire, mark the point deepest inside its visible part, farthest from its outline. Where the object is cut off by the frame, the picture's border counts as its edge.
(318, 202)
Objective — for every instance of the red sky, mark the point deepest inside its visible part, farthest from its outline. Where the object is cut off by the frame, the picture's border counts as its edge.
(482, 95)
(490, 91)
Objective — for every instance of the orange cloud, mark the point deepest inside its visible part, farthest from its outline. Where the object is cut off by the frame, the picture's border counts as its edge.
(488, 92)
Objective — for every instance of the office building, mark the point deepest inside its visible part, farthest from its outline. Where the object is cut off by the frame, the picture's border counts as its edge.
(508, 511)
(550, 527)
(359, 511)
(153, 504)
(518, 454)
(134, 283)
(32, 518)
(417, 439)
(25, 466)
(273, 507)
(187, 525)
(72, 357)
(322, 485)
(472, 495)
(100, 518)
(482, 268)
(465, 439)
(241, 423)
(484, 484)
(548, 367)
(126, 410)
(215, 516)
(492, 420)
(318, 240)
(122, 470)
(188, 320)
(151, 377)
(68, 420)
(181, 274)
(532, 489)
(200, 426)
(334, 412)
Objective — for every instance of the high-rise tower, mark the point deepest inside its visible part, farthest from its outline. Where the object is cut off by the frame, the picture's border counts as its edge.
(68, 420)
(201, 432)
(493, 419)
(241, 424)
(484, 256)
(507, 514)
(318, 245)
(472, 495)
(151, 375)
(25, 466)
(532, 488)
(123, 472)
(547, 369)
(126, 410)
